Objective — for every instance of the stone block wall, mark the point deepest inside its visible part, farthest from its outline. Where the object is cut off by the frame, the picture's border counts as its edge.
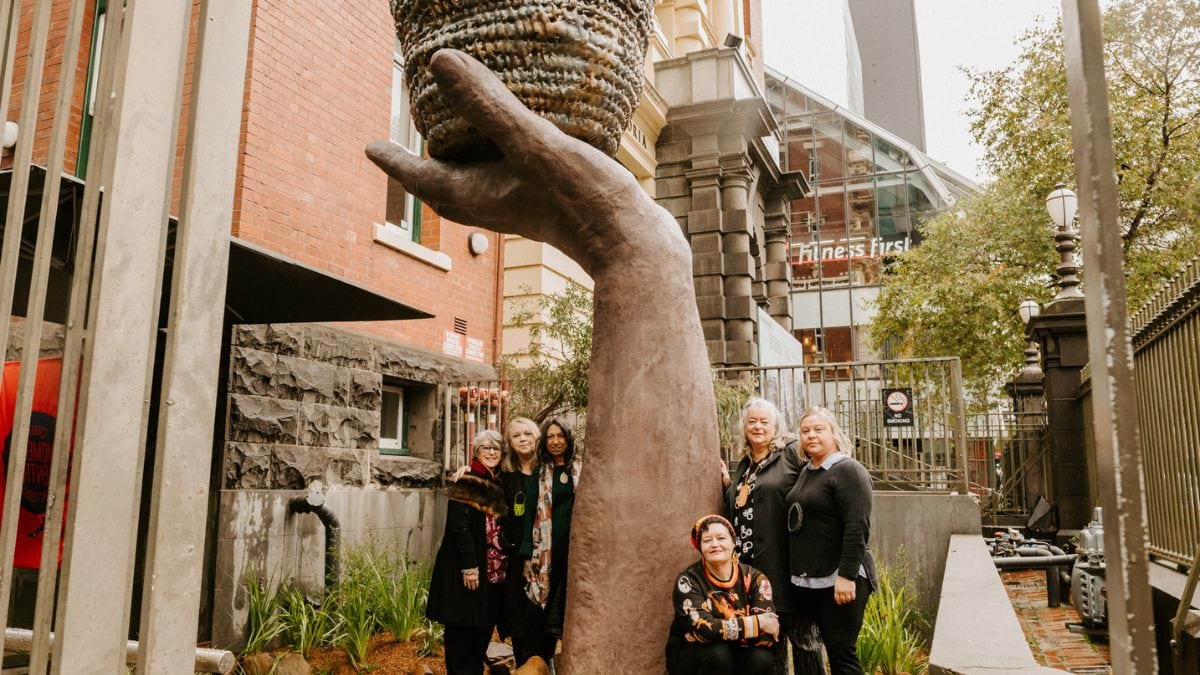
(259, 536)
(304, 404)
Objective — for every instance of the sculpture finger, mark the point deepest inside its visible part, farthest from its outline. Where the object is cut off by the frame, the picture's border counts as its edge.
(488, 105)
(428, 180)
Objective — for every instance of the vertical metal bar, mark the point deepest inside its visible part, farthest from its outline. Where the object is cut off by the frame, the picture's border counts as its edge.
(10, 25)
(18, 191)
(958, 407)
(1115, 420)
(138, 168)
(74, 332)
(171, 600)
(14, 224)
(35, 309)
(447, 426)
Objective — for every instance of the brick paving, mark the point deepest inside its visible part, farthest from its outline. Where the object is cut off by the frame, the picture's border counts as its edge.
(1046, 628)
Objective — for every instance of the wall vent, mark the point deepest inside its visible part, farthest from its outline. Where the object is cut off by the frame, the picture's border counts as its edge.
(460, 326)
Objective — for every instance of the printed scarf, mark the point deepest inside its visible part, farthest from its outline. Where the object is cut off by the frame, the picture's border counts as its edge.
(538, 590)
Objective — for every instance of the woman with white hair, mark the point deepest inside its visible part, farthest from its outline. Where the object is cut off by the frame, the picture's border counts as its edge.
(829, 518)
(755, 497)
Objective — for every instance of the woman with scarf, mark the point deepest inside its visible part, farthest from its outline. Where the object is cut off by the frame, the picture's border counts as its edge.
(725, 620)
(755, 497)
(466, 593)
(546, 543)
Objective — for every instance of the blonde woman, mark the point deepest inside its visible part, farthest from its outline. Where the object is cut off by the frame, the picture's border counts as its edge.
(520, 463)
(829, 518)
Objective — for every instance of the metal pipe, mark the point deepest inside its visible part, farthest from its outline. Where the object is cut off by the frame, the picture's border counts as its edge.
(314, 503)
(207, 660)
(1022, 563)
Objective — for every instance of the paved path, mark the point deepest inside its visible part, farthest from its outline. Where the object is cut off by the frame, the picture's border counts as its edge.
(1045, 628)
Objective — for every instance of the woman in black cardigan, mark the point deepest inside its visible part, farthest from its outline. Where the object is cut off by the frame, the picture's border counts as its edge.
(829, 517)
(755, 498)
(466, 592)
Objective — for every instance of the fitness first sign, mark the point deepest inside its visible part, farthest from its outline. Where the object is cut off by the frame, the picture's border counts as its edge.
(808, 252)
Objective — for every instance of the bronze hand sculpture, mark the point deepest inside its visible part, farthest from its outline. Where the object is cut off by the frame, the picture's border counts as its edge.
(652, 464)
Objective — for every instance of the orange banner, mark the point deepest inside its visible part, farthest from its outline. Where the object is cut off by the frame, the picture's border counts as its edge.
(43, 421)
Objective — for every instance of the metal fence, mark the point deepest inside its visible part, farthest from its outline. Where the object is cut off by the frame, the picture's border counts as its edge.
(112, 317)
(469, 407)
(923, 449)
(1166, 340)
(1006, 451)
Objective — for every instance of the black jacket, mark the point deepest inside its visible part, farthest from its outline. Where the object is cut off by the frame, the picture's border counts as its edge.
(835, 522)
(775, 479)
(463, 547)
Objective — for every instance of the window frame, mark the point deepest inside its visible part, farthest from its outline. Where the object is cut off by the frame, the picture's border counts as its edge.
(394, 446)
(410, 226)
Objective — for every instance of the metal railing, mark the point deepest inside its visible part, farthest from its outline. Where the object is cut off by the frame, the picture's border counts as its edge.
(1008, 459)
(930, 453)
(116, 274)
(469, 407)
(1166, 340)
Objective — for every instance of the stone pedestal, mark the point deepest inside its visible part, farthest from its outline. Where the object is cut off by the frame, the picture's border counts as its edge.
(1061, 330)
(719, 175)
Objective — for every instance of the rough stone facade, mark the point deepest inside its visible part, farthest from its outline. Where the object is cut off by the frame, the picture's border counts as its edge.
(723, 184)
(304, 404)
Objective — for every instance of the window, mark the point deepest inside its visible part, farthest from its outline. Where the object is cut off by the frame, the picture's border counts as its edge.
(93, 83)
(403, 210)
(393, 422)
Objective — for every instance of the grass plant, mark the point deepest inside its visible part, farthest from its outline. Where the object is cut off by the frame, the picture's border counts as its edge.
(263, 613)
(380, 589)
(306, 625)
(890, 641)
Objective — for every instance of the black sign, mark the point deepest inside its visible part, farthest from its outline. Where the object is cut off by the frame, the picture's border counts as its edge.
(897, 408)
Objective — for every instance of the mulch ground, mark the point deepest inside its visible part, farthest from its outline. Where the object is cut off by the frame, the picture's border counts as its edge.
(384, 656)
(1046, 627)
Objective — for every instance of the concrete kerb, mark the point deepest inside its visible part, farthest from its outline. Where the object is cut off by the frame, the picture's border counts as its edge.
(977, 630)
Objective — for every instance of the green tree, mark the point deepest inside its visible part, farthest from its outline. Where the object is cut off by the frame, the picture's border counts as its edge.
(552, 376)
(957, 292)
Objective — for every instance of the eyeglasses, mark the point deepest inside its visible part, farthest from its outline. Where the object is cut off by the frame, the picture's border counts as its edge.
(487, 448)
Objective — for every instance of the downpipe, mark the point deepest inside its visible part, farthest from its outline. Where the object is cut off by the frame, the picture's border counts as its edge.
(314, 503)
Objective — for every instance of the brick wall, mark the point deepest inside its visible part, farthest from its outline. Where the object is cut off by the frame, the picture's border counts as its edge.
(318, 91)
(50, 77)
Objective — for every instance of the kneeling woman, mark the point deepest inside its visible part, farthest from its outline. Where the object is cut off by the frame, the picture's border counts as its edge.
(466, 592)
(725, 620)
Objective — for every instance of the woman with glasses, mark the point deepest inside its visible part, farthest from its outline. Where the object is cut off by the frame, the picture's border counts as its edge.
(466, 593)
(545, 546)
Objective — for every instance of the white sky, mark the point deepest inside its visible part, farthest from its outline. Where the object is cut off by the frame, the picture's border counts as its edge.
(977, 34)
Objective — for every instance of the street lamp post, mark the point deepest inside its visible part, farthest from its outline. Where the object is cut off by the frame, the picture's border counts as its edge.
(1029, 310)
(1062, 205)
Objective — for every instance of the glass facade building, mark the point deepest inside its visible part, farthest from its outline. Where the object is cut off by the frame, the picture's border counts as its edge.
(871, 191)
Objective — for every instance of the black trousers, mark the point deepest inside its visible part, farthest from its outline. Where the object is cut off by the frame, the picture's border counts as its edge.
(839, 624)
(720, 658)
(808, 657)
(466, 649)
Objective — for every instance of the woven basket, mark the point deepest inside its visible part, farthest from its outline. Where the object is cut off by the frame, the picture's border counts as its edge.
(578, 63)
